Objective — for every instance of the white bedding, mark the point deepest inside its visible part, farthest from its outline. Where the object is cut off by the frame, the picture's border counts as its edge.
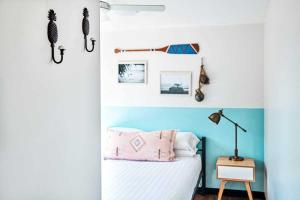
(137, 180)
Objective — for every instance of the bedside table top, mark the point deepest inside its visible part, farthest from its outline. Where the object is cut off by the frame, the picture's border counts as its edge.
(224, 161)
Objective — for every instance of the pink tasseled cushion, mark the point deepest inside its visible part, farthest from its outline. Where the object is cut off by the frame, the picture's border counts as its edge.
(146, 146)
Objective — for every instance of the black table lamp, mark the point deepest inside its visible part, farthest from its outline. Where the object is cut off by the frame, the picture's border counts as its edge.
(216, 117)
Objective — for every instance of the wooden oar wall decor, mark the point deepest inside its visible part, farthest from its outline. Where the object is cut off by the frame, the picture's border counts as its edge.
(170, 49)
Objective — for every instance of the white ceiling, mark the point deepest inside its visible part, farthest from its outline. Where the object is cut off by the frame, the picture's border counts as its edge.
(186, 13)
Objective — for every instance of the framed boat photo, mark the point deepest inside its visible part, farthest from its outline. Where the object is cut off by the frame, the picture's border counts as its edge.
(175, 82)
(132, 72)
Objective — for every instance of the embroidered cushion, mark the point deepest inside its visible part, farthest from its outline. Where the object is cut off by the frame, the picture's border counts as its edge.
(150, 146)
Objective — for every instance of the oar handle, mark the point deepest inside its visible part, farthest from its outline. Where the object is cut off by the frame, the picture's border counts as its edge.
(130, 50)
(139, 50)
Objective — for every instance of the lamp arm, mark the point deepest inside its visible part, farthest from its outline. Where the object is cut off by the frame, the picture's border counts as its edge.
(234, 123)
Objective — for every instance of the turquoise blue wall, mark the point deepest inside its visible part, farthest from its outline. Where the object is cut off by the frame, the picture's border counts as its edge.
(220, 138)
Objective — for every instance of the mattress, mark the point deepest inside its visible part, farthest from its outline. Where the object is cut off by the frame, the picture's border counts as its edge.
(138, 180)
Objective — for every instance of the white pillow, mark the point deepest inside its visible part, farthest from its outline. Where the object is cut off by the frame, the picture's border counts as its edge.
(186, 141)
(185, 153)
(125, 129)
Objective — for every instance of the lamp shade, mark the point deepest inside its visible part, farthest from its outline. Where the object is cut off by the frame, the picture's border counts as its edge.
(215, 117)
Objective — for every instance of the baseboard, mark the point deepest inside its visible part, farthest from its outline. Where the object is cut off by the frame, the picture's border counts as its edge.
(234, 193)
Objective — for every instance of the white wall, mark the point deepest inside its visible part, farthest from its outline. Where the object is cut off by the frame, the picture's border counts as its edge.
(234, 59)
(194, 13)
(49, 114)
(282, 99)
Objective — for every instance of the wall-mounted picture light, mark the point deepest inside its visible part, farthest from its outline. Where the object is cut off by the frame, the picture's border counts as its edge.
(86, 30)
(52, 36)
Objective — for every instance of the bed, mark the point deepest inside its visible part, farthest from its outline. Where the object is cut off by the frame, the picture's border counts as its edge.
(138, 180)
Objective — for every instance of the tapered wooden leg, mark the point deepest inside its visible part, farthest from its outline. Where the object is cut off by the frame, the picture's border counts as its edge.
(222, 186)
(248, 188)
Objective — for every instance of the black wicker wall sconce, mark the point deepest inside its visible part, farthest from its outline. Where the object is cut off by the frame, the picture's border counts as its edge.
(86, 30)
(52, 36)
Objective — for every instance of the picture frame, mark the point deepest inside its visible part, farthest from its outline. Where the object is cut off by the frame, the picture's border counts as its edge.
(134, 72)
(176, 82)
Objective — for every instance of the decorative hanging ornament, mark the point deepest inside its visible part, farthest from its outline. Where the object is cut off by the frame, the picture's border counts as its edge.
(203, 78)
(199, 96)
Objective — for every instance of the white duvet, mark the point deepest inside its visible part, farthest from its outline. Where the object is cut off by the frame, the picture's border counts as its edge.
(138, 180)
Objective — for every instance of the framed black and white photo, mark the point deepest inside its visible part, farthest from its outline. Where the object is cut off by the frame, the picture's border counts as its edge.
(132, 72)
(175, 82)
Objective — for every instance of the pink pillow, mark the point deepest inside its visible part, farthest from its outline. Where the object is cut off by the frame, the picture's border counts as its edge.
(150, 146)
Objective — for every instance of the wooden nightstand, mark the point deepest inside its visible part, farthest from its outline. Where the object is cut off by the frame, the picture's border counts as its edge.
(239, 171)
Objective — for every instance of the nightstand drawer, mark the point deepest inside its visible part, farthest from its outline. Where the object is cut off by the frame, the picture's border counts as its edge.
(235, 173)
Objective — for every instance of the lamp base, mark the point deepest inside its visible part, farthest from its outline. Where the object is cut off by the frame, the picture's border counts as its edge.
(236, 158)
